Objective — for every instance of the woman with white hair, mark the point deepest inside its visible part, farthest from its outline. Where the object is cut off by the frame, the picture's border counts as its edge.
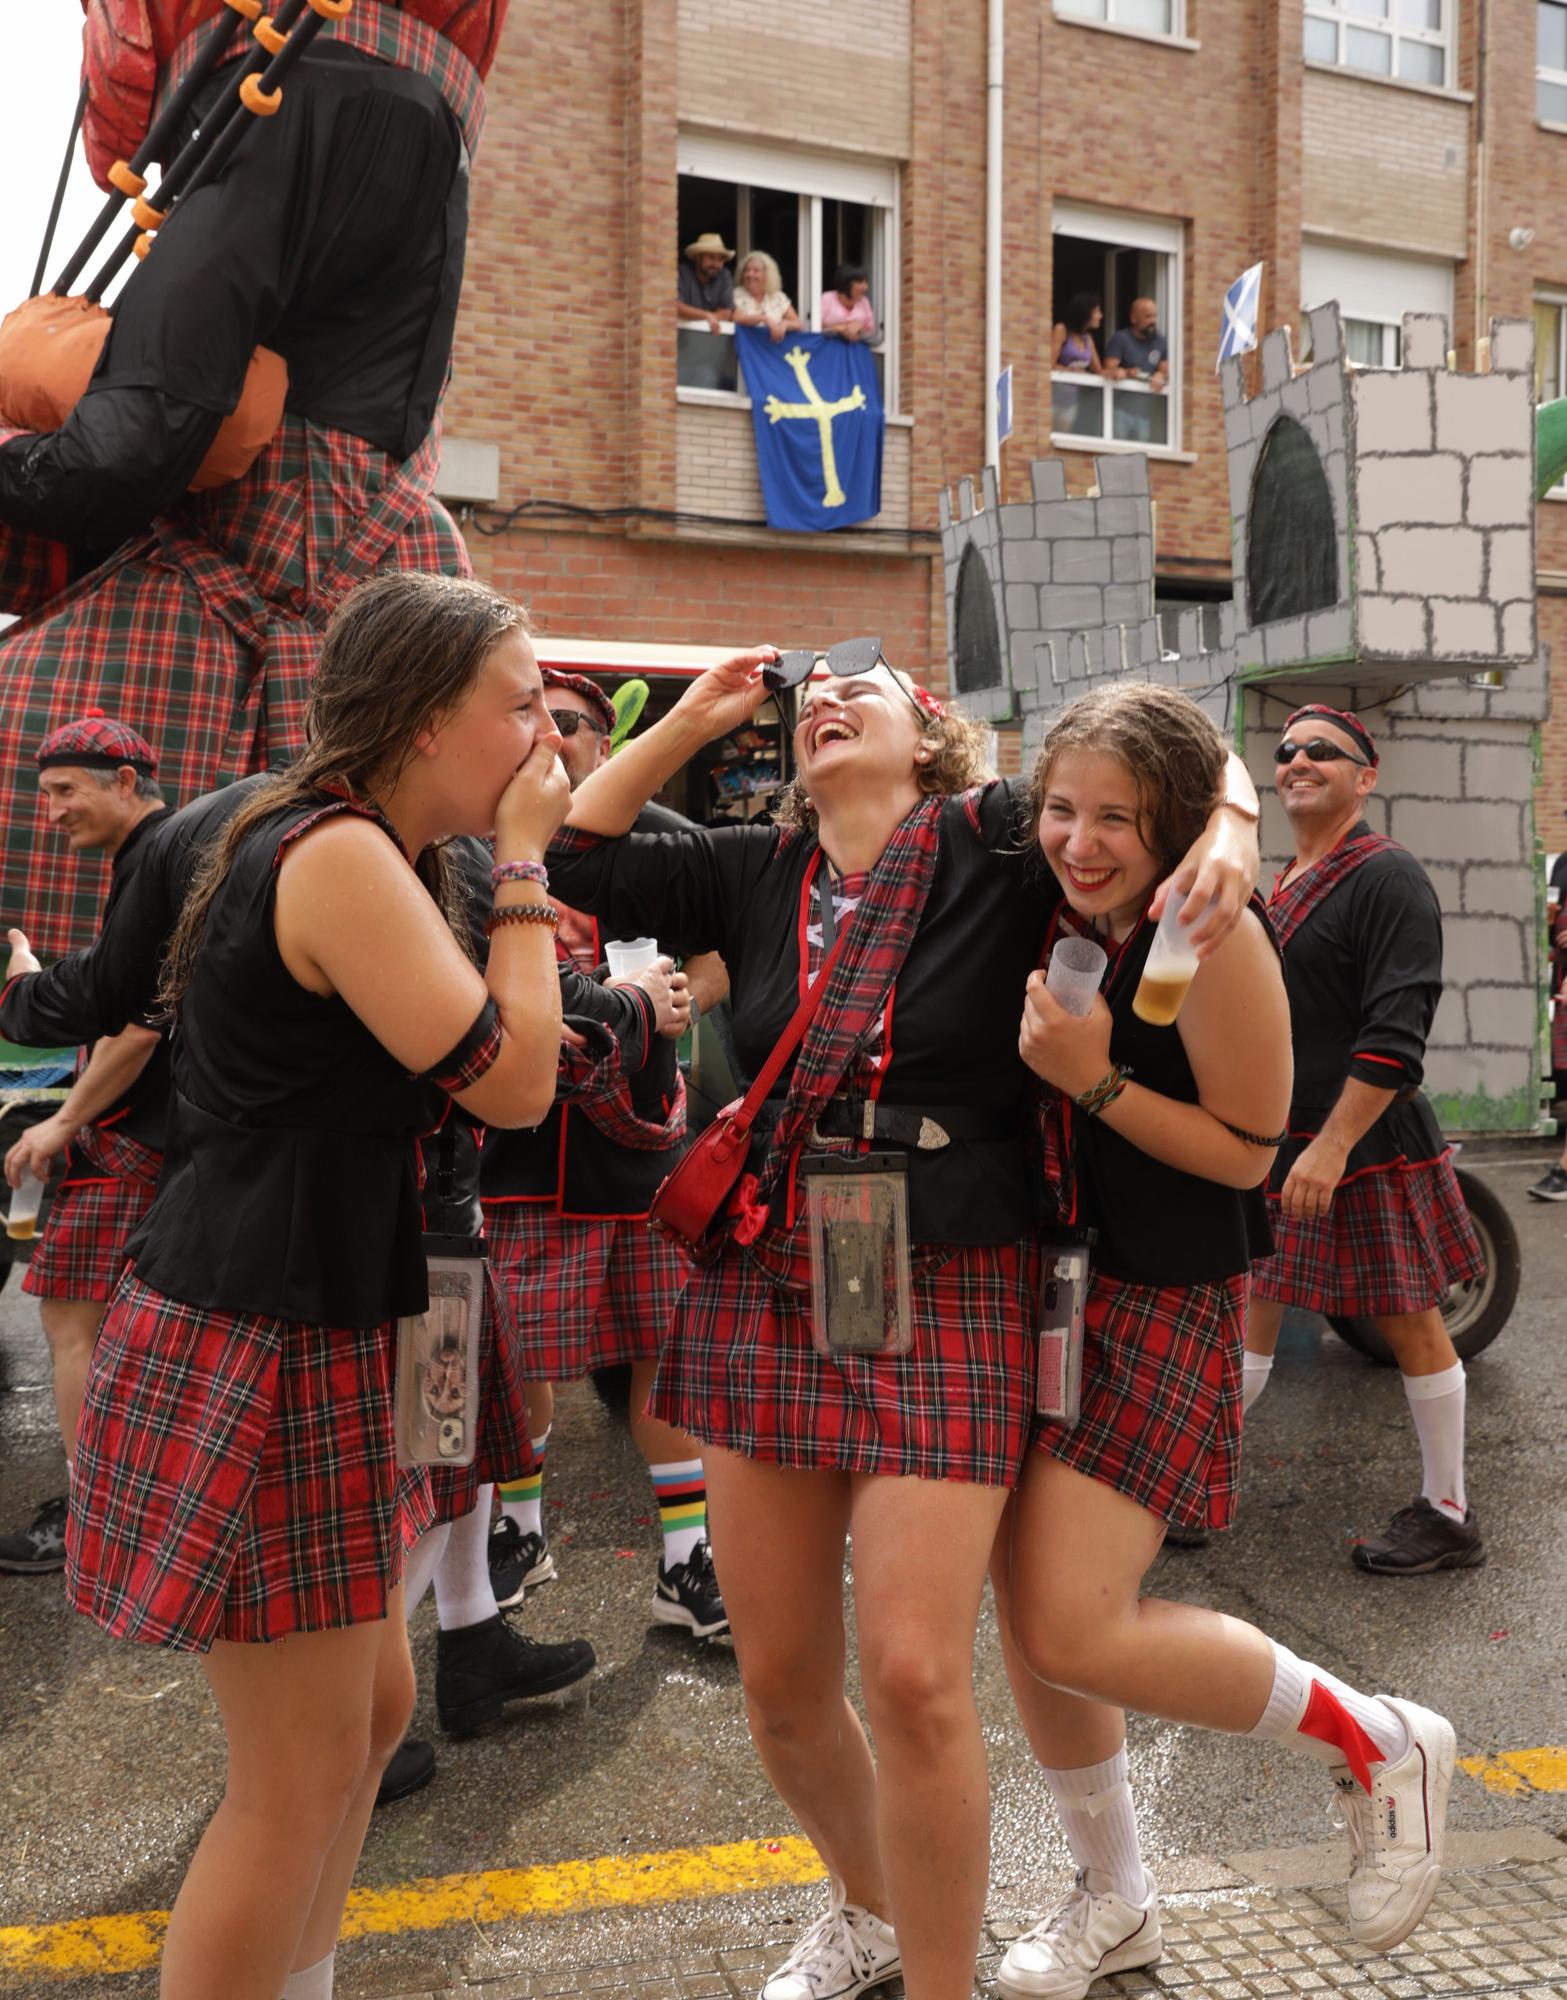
(760, 299)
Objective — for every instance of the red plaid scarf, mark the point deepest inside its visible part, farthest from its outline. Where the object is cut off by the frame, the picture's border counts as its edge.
(597, 1087)
(1289, 906)
(875, 942)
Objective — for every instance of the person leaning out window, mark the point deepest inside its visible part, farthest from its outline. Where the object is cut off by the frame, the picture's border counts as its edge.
(846, 308)
(760, 299)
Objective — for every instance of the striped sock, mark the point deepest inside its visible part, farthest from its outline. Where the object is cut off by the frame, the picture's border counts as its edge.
(682, 1507)
(522, 1500)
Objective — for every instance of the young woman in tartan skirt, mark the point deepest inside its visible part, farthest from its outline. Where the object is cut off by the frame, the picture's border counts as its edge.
(1160, 1138)
(240, 1493)
(940, 920)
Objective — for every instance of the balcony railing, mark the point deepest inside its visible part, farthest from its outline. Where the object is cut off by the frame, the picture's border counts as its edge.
(708, 360)
(1095, 406)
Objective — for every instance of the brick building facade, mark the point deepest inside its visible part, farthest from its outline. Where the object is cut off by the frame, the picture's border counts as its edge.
(1139, 159)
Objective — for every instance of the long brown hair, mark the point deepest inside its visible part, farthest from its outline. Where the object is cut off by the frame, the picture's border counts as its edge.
(402, 650)
(1175, 755)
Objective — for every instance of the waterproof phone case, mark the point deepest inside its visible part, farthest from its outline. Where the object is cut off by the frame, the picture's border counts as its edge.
(438, 1358)
(1058, 1385)
(857, 1217)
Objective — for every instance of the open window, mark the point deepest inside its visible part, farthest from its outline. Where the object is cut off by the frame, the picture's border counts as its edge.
(1116, 260)
(1374, 290)
(1408, 39)
(1550, 358)
(811, 213)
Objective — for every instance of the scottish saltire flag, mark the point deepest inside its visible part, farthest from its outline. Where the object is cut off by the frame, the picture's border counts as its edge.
(1238, 335)
(817, 411)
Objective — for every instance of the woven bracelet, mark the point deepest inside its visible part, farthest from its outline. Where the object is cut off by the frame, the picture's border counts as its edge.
(524, 913)
(519, 871)
(1104, 1092)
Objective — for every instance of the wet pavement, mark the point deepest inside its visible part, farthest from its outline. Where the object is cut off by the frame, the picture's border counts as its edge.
(113, 1756)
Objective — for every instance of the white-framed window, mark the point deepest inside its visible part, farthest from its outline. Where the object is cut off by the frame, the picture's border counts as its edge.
(1409, 39)
(1117, 259)
(1153, 17)
(1550, 61)
(1550, 357)
(1374, 290)
(812, 212)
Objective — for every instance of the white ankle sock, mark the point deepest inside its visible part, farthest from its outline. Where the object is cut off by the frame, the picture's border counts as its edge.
(464, 1594)
(1099, 1819)
(1255, 1370)
(522, 1500)
(1436, 1402)
(421, 1563)
(1337, 1714)
(314, 1983)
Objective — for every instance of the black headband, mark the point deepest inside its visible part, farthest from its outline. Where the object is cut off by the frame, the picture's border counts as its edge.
(1352, 724)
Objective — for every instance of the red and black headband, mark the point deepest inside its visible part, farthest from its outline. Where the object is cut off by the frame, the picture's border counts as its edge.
(1342, 719)
(590, 691)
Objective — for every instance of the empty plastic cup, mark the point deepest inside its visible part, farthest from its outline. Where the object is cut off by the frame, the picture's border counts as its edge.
(629, 956)
(1076, 967)
(21, 1222)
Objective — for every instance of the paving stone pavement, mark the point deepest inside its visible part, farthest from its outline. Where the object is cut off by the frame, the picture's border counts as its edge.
(1498, 1930)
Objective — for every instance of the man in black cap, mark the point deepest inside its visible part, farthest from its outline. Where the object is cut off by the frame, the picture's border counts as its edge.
(98, 779)
(1367, 1213)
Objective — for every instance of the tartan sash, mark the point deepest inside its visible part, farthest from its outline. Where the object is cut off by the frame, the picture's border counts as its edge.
(1289, 907)
(597, 1087)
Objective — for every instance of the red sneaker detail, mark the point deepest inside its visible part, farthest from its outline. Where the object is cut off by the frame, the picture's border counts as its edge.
(1330, 1721)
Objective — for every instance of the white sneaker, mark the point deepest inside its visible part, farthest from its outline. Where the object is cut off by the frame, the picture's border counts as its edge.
(842, 1954)
(1395, 1831)
(1086, 1937)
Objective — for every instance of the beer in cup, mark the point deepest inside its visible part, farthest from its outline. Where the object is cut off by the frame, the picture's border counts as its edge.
(1171, 965)
(21, 1222)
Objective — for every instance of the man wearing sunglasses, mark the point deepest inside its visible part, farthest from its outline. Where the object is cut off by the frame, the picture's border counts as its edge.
(1367, 1213)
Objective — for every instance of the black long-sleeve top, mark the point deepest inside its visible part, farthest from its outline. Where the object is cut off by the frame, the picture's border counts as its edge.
(335, 236)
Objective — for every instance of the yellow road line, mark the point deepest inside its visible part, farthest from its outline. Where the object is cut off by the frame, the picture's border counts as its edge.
(1519, 1772)
(132, 1942)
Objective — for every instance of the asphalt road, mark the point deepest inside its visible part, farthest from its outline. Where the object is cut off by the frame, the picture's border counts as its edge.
(112, 1756)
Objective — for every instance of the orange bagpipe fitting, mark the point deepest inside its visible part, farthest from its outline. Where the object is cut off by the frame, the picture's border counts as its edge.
(142, 244)
(270, 38)
(147, 216)
(263, 103)
(251, 9)
(332, 10)
(126, 179)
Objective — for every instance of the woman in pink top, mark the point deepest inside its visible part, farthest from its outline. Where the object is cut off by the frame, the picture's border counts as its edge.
(846, 309)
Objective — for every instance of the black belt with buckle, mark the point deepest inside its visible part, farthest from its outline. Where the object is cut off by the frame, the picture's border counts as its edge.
(924, 1128)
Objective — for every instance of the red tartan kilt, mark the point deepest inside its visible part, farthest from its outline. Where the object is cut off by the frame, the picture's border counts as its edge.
(739, 1369)
(586, 1294)
(1161, 1412)
(505, 1446)
(236, 1477)
(109, 1184)
(1393, 1241)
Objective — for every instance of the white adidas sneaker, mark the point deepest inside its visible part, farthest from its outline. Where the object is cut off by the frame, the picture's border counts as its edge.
(843, 1953)
(1084, 1938)
(1395, 1831)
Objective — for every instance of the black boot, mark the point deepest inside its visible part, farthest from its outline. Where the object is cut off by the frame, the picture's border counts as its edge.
(479, 1668)
(409, 1770)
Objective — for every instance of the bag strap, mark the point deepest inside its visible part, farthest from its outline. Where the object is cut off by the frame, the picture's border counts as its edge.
(789, 1040)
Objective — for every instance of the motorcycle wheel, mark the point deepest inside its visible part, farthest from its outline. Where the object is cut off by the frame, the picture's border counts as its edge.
(1476, 1310)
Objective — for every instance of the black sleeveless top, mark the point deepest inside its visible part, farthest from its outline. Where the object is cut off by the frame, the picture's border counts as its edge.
(290, 1177)
(1157, 1225)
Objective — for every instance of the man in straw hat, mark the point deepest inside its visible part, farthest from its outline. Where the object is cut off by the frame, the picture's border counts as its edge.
(707, 286)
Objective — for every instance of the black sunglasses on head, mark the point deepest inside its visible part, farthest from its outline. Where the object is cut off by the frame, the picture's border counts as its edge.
(569, 720)
(1319, 750)
(849, 656)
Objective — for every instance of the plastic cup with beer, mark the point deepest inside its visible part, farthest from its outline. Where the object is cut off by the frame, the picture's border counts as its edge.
(1077, 965)
(629, 956)
(1170, 968)
(21, 1222)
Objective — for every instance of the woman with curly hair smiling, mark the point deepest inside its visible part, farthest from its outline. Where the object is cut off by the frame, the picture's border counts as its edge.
(900, 864)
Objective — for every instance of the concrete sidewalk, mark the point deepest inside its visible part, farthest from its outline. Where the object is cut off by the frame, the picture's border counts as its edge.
(1264, 1927)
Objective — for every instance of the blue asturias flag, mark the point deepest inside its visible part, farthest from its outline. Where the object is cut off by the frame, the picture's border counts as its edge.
(819, 425)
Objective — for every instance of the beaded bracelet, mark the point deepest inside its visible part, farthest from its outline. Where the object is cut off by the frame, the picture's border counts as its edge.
(519, 871)
(1104, 1092)
(524, 913)
(1255, 1138)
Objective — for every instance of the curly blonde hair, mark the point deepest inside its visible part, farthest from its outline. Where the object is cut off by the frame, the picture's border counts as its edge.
(957, 763)
(772, 277)
(1174, 752)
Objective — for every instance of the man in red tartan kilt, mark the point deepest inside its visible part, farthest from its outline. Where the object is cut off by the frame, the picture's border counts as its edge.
(1367, 1213)
(565, 1214)
(334, 235)
(100, 790)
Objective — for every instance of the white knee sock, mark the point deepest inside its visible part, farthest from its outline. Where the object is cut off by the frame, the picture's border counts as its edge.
(1255, 1370)
(314, 1983)
(1436, 1402)
(420, 1564)
(1314, 1711)
(464, 1594)
(1099, 1819)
